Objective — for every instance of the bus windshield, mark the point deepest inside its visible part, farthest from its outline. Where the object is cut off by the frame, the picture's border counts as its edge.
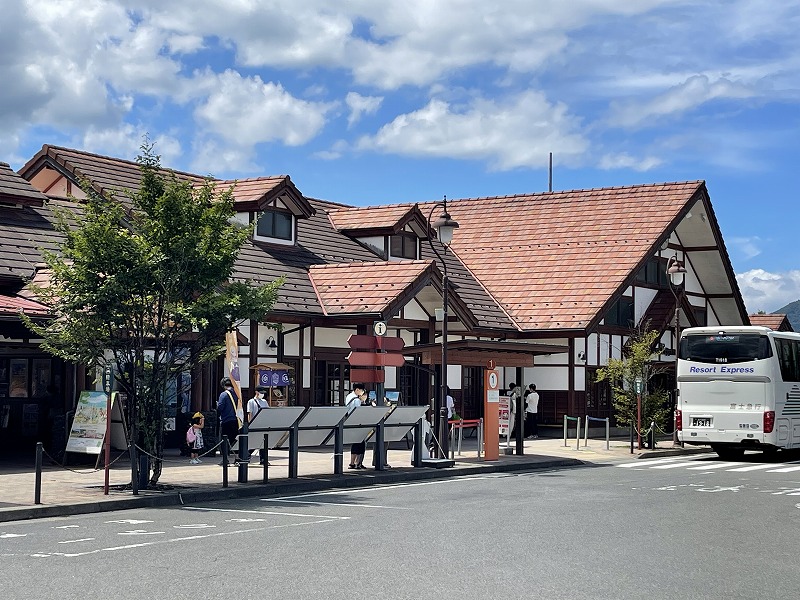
(726, 348)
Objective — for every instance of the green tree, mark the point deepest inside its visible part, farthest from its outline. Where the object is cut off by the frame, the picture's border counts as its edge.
(622, 375)
(142, 282)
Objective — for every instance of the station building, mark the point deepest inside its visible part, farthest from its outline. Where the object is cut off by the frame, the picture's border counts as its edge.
(547, 285)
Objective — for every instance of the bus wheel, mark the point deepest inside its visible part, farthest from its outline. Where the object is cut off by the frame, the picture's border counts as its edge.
(728, 453)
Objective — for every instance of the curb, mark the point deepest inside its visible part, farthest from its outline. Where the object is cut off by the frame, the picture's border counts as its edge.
(672, 452)
(283, 486)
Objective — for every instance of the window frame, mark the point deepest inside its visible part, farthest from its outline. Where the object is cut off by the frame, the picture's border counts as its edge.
(273, 239)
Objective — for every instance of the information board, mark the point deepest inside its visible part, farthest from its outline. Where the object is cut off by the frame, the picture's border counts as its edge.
(89, 424)
(505, 414)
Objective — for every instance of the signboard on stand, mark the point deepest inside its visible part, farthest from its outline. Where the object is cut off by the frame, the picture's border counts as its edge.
(89, 424)
(491, 442)
(504, 416)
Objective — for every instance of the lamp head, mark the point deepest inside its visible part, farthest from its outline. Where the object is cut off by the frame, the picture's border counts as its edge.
(445, 226)
(676, 274)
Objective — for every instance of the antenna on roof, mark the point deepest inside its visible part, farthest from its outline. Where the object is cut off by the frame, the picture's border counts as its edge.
(550, 175)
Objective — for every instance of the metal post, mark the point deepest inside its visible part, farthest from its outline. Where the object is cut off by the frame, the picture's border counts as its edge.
(460, 436)
(652, 435)
(452, 442)
(639, 419)
(294, 451)
(144, 470)
(134, 470)
(380, 460)
(565, 431)
(480, 437)
(443, 404)
(225, 446)
(519, 433)
(608, 433)
(338, 449)
(586, 433)
(244, 453)
(578, 436)
(266, 458)
(37, 490)
(419, 442)
(631, 436)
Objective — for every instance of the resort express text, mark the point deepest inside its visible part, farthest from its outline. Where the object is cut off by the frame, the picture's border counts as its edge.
(723, 369)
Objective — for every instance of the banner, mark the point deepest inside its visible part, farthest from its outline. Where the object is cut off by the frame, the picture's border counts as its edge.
(232, 355)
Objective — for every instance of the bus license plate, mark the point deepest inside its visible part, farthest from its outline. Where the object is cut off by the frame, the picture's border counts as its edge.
(701, 422)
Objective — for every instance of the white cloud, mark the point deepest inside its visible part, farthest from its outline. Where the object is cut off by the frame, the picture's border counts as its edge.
(767, 291)
(517, 132)
(626, 161)
(126, 141)
(747, 247)
(245, 111)
(690, 94)
(361, 105)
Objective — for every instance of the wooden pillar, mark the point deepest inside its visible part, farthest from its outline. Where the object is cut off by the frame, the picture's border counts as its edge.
(571, 377)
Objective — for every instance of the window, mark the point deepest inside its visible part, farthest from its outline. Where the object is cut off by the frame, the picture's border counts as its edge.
(653, 273)
(700, 316)
(726, 348)
(403, 245)
(789, 358)
(621, 313)
(276, 224)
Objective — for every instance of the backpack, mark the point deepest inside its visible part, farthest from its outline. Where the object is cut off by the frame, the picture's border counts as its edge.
(191, 437)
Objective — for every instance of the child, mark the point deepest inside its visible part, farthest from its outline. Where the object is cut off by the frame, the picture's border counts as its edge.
(194, 437)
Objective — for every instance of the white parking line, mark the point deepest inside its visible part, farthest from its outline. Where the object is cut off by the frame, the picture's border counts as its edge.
(753, 468)
(322, 502)
(675, 465)
(721, 465)
(263, 512)
(785, 469)
(645, 464)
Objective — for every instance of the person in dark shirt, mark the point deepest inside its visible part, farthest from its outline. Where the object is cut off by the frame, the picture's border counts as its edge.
(226, 409)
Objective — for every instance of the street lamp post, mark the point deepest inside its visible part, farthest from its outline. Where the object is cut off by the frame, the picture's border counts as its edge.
(445, 226)
(676, 273)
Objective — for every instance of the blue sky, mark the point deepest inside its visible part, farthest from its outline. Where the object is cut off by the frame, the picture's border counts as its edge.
(367, 102)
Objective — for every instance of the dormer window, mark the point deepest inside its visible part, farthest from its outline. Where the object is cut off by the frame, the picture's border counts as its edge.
(275, 225)
(404, 245)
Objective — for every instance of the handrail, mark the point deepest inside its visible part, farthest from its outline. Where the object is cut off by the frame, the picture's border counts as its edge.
(578, 433)
(608, 430)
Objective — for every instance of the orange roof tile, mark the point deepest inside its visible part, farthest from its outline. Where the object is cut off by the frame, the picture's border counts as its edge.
(252, 190)
(560, 256)
(13, 305)
(367, 287)
(368, 217)
(775, 321)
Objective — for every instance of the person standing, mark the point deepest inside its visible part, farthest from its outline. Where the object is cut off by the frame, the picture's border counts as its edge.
(226, 409)
(254, 406)
(532, 412)
(514, 396)
(194, 438)
(353, 400)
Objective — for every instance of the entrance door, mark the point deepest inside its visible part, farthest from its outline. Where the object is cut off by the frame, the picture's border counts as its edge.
(598, 396)
(472, 393)
(331, 382)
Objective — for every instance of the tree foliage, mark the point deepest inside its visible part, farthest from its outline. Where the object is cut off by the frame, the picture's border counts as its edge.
(622, 374)
(142, 282)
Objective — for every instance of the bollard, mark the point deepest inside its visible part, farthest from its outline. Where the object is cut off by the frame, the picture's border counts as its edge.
(608, 433)
(144, 470)
(578, 432)
(419, 443)
(37, 492)
(266, 458)
(460, 436)
(380, 459)
(294, 451)
(134, 473)
(480, 438)
(652, 435)
(565, 431)
(452, 440)
(586, 433)
(225, 447)
(631, 436)
(338, 449)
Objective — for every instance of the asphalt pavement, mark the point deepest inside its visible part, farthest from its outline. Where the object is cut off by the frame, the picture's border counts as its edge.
(79, 488)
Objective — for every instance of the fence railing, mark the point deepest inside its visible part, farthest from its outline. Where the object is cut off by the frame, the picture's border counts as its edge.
(607, 421)
(578, 433)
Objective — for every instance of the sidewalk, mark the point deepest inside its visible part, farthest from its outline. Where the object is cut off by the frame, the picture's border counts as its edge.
(80, 489)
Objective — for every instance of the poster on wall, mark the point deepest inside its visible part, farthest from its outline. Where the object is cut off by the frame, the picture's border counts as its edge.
(18, 375)
(40, 378)
(505, 415)
(89, 423)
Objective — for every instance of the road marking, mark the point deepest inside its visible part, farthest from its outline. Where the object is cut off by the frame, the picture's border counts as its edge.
(12, 535)
(263, 512)
(181, 539)
(67, 527)
(646, 464)
(785, 469)
(321, 502)
(674, 465)
(712, 465)
(140, 532)
(752, 468)
(130, 521)
(76, 541)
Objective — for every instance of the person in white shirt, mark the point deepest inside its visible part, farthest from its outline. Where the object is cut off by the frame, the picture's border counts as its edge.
(514, 395)
(450, 404)
(531, 411)
(254, 406)
(353, 400)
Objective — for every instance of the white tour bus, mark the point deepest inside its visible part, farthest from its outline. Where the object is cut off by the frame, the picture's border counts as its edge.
(739, 389)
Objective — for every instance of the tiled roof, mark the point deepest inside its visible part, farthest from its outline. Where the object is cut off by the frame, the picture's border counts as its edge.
(775, 321)
(369, 217)
(14, 188)
(105, 173)
(13, 305)
(23, 232)
(560, 256)
(251, 190)
(370, 287)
